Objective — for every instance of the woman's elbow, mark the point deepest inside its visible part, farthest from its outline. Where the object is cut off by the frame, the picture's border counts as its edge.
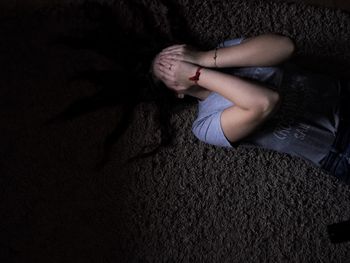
(289, 46)
(270, 105)
(275, 103)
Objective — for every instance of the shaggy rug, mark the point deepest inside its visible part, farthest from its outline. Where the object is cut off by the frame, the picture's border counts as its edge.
(190, 202)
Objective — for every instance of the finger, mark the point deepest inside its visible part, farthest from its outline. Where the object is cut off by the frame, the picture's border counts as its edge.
(166, 63)
(173, 52)
(173, 47)
(164, 69)
(172, 56)
(177, 49)
(165, 72)
(167, 68)
(171, 66)
(163, 77)
(168, 58)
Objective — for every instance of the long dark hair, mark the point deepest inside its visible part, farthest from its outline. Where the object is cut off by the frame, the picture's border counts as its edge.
(128, 83)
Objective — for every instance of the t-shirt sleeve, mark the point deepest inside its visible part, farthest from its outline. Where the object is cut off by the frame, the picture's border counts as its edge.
(209, 130)
(231, 42)
(207, 127)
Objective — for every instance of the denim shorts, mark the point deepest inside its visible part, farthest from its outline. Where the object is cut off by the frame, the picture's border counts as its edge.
(337, 162)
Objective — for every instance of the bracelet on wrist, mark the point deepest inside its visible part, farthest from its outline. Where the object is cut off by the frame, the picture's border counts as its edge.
(215, 56)
(195, 78)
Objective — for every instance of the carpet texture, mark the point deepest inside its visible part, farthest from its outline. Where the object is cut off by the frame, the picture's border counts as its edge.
(191, 202)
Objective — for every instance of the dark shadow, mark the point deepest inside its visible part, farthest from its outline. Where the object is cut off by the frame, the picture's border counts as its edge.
(129, 82)
(327, 66)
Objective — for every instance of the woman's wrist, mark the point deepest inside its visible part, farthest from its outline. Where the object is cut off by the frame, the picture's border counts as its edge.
(206, 59)
(243, 93)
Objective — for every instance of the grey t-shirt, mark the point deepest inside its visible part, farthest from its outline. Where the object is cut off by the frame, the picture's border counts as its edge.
(304, 126)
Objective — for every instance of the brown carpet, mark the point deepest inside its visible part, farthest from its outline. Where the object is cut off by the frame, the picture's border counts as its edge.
(191, 202)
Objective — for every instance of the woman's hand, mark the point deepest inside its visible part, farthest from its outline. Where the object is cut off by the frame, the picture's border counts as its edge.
(184, 53)
(174, 73)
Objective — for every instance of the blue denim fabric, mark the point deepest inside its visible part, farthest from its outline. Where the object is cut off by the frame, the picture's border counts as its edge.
(308, 131)
(337, 161)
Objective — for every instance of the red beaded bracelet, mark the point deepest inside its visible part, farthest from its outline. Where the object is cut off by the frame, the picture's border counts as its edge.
(195, 78)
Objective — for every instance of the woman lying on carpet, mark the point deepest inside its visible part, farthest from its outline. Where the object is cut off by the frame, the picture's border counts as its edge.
(244, 97)
(247, 92)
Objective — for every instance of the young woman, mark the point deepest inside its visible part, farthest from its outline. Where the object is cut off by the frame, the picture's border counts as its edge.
(249, 93)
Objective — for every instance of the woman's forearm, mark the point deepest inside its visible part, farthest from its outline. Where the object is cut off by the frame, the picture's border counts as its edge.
(245, 94)
(263, 50)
